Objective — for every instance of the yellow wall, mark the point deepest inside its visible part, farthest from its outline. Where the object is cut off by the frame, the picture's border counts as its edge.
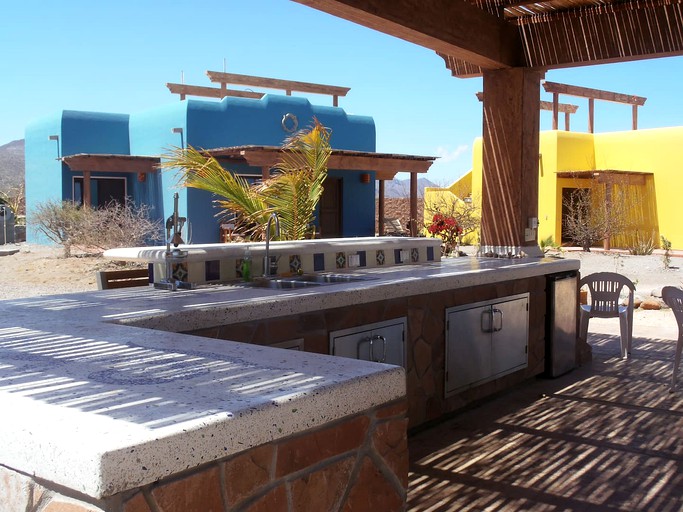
(657, 151)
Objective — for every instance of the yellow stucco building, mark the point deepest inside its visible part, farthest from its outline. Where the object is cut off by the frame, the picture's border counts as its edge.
(642, 169)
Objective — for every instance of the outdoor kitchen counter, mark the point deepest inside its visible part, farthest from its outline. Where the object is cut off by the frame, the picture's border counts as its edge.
(103, 394)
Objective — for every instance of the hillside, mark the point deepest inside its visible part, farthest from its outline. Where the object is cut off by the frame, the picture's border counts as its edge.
(12, 164)
(401, 188)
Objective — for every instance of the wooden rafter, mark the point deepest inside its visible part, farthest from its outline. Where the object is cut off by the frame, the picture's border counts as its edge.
(275, 83)
(451, 27)
(592, 95)
(209, 92)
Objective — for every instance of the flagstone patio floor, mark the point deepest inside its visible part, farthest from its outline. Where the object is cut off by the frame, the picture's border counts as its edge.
(606, 437)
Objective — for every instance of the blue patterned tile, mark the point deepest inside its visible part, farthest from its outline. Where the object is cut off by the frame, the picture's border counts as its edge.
(180, 271)
(294, 263)
(430, 253)
(362, 258)
(380, 257)
(150, 271)
(414, 255)
(212, 270)
(318, 261)
(397, 256)
(340, 260)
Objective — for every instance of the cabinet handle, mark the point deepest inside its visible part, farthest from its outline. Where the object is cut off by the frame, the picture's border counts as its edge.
(486, 321)
(500, 325)
(372, 339)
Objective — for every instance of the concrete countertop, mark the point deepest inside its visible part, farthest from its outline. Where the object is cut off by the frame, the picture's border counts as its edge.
(106, 395)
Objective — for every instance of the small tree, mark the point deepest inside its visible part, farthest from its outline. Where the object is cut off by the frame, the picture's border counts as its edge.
(466, 213)
(15, 198)
(591, 217)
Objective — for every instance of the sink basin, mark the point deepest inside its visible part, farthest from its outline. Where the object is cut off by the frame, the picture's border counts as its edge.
(281, 284)
(327, 278)
(303, 281)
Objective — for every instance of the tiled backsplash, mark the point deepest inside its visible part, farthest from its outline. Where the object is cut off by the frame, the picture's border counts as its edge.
(287, 261)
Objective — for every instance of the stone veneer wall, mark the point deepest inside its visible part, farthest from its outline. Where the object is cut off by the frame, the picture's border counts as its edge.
(358, 463)
(425, 362)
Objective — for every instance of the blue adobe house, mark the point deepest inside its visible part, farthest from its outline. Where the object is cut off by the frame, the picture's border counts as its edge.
(94, 158)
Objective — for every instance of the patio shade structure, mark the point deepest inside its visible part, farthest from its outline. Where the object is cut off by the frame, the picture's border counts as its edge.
(511, 44)
(107, 163)
(385, 166)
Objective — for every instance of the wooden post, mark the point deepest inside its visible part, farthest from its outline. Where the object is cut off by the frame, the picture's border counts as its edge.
(607, 242)
(635, 117)
(86, 188)
(413, 203)
(591, 115)
(510, 160)
(380, 207)
(265, 172)
(566, 121)
(556, 109)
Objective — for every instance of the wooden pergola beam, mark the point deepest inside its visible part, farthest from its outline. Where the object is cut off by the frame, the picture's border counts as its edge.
(598, 94)
(451, 27)
(112, 163)
(276, 83)
(209, 92)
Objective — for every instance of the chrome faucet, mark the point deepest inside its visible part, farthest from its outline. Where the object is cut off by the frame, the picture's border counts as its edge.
(174, 227)
(266, 258)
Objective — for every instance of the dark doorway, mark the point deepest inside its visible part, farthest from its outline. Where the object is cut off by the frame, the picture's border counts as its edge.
(102, 191)
(330, 209)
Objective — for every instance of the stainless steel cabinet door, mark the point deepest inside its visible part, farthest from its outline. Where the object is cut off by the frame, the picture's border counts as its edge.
(383, 342)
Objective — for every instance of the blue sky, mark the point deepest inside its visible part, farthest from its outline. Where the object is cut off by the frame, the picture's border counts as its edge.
(118, 56)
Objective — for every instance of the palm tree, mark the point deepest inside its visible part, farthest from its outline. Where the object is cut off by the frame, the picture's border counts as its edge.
(292, 192)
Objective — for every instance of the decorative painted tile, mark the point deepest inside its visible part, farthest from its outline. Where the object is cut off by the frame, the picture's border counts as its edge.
(238, 266)
(340, 260)
(212, 270)
(180, 271)
(430, 253)
(294, 263)
(414, 255)
(362, 257)
(150, 271)
(318, 262)
(380, 257)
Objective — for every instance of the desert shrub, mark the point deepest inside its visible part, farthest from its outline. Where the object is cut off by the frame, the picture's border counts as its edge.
(666, 245)
(94, 230)
(642, 246)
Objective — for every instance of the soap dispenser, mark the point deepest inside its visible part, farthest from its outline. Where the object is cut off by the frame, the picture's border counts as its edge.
(246, 265)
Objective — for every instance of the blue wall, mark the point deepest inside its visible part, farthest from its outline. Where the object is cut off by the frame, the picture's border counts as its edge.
(47, 179)
(240, 121)
(204, 124)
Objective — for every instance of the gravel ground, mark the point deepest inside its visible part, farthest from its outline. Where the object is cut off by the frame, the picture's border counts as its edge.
(37, 270)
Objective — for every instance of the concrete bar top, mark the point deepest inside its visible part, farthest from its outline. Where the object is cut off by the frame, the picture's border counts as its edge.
(101, 393)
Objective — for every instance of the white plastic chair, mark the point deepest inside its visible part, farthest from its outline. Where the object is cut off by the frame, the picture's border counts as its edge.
(674, 299)
(604, 289)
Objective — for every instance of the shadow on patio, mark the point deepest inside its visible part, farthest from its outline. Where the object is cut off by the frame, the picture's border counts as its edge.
(607, 436)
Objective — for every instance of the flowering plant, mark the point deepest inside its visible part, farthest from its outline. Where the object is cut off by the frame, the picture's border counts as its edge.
(448, 229)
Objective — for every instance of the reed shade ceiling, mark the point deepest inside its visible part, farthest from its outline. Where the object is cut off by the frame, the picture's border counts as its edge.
(476, 35)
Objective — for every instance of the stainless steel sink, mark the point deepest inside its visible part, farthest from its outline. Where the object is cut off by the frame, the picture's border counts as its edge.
(327, 278)
(281, 284)
(303, 281)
